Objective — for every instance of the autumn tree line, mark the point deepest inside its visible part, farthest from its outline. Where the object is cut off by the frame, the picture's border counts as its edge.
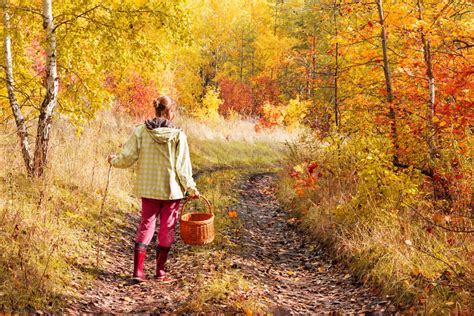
(396, 68)
(400, 68)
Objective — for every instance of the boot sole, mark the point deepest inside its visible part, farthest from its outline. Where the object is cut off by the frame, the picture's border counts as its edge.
(139, 280)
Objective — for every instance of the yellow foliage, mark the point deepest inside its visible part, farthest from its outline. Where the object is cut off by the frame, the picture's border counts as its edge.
(210, 105)
(295, 112)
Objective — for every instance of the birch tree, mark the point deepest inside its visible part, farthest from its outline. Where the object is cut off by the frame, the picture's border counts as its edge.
(431, 131)
(51, 97)
(83, 46)
(34, 162)
(22, 131)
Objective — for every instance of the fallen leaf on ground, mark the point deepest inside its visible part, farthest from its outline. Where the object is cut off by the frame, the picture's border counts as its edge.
(291, 221)
(232, 214)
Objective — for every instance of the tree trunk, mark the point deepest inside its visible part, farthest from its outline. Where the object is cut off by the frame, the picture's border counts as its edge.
(241, 62)
(388, 84)
(22, 130)
(216, 67)
(275, 18)
(313, 63)
(440, 188)
(336, 69)
(50, 99)
(431, 130)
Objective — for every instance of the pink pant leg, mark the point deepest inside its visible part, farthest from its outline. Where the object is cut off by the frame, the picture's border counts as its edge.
(168, 217)
(146, 228)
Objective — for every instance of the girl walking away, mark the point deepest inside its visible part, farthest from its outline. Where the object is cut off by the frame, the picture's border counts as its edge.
(164, 176)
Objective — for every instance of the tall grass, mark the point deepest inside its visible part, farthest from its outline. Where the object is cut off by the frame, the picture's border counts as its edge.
(235, 130)
(48, 231)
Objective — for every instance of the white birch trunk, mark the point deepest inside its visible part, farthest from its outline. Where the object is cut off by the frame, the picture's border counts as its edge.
(336, 66)
(50, 99)
(22, 130)
(431, 130)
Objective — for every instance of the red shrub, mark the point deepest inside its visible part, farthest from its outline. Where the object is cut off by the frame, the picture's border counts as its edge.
(134, 95)
(237, 96)
(265, 90)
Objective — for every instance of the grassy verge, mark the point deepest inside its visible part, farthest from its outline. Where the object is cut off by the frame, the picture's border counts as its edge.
(350, 198)
(234, 145)
(48, 235)
(49, 227)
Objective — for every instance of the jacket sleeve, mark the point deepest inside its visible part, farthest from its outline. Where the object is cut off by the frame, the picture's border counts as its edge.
(184, 168)
(130, 152)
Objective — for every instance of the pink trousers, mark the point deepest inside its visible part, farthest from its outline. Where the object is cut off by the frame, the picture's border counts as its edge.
(168, 210)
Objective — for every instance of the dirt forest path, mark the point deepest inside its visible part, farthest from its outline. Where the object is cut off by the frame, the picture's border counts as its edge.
(294, 275)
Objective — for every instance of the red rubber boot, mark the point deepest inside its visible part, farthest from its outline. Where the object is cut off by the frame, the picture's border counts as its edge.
(161, 258)
(138, 262)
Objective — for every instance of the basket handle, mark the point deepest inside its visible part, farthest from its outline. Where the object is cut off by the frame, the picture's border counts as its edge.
(206, 201)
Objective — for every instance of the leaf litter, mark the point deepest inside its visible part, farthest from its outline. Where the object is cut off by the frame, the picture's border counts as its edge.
(291, 274)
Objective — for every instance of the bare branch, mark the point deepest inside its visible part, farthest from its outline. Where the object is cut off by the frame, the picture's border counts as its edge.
(466, 44)
(77, 16)
(27, 9)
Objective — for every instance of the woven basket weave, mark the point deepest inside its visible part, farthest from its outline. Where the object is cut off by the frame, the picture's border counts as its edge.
(197, 228)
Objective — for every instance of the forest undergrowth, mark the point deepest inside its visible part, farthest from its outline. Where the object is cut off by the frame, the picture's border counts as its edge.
(385, 223)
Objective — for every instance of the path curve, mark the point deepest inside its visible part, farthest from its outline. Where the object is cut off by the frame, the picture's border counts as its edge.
(293, 273)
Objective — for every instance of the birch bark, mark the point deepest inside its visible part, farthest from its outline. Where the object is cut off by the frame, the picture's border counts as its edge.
(431, 130)
(22, 130)
(50, 99)
(336, 67)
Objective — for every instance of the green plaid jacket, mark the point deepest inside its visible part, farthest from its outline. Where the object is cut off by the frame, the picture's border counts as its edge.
(164, 170)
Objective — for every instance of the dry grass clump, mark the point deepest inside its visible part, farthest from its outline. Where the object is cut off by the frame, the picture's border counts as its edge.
(226, 289)
(33, 241)
(369, 215)
(235, 130)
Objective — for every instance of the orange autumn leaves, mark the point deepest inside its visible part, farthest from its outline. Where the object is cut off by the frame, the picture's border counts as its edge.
(232, 214)
(306, 177)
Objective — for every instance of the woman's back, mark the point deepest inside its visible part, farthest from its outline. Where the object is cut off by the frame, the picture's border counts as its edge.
(156, 172)
(164, 169)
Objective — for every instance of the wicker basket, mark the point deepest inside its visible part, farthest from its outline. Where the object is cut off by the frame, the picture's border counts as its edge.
(197, 228)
